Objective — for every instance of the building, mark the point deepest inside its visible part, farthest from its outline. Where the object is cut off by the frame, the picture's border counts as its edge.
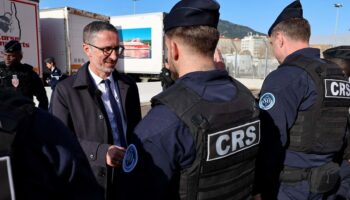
(257, 45)
(229, 45)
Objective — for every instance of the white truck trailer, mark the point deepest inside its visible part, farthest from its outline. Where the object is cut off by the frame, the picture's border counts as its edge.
(143, 38)
(19, 20)
(62, 36)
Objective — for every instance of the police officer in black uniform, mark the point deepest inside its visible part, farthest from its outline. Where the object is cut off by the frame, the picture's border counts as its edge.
(20, 77)
(55, 73)
(304, 109)
(341, 56)
(200, 138)
(45, 159)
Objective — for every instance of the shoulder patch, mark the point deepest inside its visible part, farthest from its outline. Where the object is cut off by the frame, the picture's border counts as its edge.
(130, 158)
(267, 101)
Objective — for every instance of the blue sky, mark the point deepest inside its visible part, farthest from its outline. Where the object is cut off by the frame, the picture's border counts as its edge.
(257, 14)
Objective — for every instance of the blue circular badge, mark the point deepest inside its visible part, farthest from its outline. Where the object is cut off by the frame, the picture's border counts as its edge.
(130, 158)
(267, 101)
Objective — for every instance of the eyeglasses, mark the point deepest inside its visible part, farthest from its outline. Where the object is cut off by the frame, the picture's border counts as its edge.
(107, 51)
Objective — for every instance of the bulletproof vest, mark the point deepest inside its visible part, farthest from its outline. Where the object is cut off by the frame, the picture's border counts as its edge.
(226, 136)
(23, 72)
(9, 120)
(321, 128)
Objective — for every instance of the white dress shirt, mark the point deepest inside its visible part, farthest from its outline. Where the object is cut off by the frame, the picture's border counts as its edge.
(102, 87)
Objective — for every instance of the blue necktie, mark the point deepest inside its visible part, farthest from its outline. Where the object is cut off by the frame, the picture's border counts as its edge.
(117, 115)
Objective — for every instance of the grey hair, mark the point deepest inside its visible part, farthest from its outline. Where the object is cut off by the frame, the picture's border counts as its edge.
(94, 27)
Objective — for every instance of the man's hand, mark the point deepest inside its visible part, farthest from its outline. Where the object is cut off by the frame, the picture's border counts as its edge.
(115, 155)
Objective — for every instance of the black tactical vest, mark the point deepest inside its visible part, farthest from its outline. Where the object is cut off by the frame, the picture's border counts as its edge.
(9, 119)
(321, 128)
(226, 136)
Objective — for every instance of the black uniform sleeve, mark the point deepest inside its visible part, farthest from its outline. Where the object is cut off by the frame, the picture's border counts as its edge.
(39, 92)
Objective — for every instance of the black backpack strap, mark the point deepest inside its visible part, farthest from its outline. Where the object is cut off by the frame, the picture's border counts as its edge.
(315, 67)
(181, 104)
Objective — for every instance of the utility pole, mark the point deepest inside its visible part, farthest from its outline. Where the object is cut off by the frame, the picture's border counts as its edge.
(135, 6)
(337, 7)
(266, 54)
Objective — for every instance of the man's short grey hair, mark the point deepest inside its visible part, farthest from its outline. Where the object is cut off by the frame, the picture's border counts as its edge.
(94, 27)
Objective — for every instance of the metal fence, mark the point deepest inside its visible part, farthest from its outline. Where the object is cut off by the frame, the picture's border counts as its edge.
(250, 57)
(246, 66)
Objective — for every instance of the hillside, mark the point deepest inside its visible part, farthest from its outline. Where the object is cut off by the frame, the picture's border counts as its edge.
(232, 30)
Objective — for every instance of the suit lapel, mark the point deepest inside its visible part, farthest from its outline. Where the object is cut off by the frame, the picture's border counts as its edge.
(84, 81)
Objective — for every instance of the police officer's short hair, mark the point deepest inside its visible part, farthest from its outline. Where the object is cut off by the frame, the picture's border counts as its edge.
(294, 28)
(94, 27)
(202, 39)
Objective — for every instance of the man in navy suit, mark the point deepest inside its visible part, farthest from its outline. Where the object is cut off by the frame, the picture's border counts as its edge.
(100, 105)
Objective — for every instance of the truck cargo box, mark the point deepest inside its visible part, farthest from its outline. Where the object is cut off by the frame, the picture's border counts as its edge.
(19, 20)
(143, 39)
(62, 36)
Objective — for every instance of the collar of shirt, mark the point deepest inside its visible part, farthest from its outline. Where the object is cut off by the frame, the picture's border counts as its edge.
(308, 52)
(102, 87)
(213, 85)
(204, 76)
(97, 79)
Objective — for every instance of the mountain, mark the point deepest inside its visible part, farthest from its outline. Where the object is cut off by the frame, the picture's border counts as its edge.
(231, 30)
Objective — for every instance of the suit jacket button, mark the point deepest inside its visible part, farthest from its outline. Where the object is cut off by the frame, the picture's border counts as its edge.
(102, 173)
(92, 156)
(100, 116)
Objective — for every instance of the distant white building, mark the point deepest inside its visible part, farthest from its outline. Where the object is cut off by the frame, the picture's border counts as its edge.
(229, 45)
(250, 57)
(257, 45)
